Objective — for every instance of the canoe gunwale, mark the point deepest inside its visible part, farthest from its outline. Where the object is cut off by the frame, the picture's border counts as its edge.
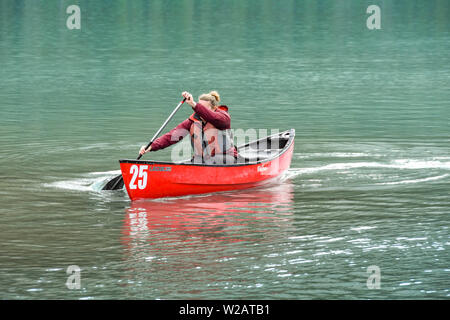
(271, 158)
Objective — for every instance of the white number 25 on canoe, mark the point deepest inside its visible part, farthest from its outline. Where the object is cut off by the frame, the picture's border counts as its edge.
(140, 173)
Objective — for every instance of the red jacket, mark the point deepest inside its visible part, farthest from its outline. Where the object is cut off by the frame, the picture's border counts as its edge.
(218, 118)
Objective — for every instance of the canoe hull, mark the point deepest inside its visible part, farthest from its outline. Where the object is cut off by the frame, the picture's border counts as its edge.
(151, 179)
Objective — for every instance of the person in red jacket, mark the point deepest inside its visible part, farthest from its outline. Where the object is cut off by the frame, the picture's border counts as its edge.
(209, 128)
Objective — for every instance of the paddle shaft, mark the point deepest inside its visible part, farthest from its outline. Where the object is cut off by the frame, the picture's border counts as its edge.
(163, 126)
(117, 182)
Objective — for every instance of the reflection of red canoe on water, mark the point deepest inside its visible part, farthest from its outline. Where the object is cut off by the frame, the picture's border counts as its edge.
(227, 217)
(198, 235)
(261, 161)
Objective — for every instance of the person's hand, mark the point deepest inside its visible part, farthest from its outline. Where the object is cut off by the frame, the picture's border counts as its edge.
(142, 151)
(189, 98)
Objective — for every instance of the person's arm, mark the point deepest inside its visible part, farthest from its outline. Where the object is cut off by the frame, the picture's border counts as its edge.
(220, 120)
(170, 138)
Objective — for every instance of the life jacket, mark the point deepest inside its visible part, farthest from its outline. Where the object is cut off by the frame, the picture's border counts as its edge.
(207, 140)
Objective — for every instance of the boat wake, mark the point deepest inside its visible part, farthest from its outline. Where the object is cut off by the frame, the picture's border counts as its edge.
(91, 182)
(395, 164)
(395, 172)
(95, 181)
(416, 180)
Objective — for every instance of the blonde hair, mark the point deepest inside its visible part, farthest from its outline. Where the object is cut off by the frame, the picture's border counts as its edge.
(212, 97)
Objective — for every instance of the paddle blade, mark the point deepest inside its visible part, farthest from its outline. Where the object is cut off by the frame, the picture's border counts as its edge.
(114, 184)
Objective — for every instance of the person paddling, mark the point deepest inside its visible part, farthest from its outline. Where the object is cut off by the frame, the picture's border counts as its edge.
(209, 128)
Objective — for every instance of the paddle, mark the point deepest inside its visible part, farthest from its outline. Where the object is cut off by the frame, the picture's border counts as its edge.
(117, 182)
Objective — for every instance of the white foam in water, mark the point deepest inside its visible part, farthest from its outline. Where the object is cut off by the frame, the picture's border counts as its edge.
(335, 155)
(415, 180)
(421, 164)
(362, 228)
(74, 184)
(85, 184)
(396, 164)
(104, 173)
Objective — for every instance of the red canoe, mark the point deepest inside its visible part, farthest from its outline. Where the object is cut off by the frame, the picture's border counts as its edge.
(260, 162)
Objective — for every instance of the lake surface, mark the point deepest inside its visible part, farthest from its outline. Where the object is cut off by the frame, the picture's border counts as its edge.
(369, 181)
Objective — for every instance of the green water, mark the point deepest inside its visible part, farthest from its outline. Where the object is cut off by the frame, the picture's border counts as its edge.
(369, 179)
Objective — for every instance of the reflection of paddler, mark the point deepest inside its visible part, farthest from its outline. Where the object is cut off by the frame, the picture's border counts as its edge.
(209, 127)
